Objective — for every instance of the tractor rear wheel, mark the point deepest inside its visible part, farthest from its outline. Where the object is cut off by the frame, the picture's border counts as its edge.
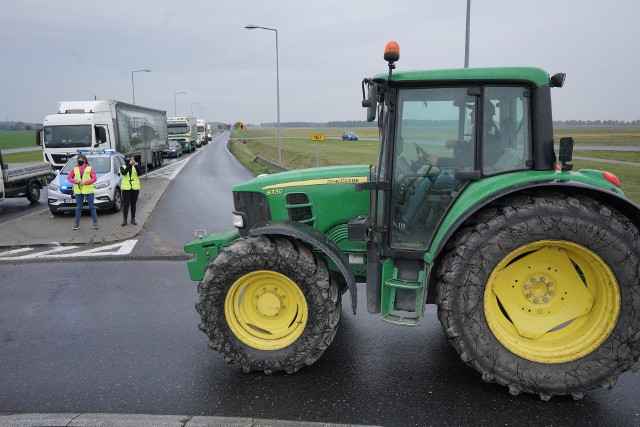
(542, 295)
(267, 303)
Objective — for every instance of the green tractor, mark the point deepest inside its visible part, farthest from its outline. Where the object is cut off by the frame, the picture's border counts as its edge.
(534, 268)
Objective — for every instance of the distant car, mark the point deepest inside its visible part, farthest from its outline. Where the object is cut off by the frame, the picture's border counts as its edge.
(108, 194)
(174, 149)
(349, 136)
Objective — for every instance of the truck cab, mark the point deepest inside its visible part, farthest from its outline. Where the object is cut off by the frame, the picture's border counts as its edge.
(183, 129)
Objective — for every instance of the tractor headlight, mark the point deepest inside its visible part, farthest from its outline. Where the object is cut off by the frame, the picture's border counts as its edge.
(238, 221)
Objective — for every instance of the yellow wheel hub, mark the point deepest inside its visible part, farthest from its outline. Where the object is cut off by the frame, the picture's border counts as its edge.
(266, 310)
(552, 301)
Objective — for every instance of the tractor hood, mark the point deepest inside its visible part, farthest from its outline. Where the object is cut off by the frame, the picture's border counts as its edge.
(323, 198)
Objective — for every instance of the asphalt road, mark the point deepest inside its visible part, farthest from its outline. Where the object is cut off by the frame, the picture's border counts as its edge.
(119, 335)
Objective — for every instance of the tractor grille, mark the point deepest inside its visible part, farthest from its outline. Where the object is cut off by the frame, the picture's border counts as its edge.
(299, 207)
(255, 208)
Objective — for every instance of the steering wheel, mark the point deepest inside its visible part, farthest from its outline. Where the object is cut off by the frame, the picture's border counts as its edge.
(420, 151)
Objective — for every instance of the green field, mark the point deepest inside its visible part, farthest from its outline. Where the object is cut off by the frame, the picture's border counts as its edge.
(17, 139)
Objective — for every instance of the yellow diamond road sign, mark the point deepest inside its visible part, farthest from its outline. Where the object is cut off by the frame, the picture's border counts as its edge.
(317, 137)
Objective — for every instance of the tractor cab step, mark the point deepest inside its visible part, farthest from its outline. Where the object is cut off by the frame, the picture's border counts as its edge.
(403, 289)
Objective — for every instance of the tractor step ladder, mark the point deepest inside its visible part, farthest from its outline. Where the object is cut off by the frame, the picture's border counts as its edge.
(389, 291)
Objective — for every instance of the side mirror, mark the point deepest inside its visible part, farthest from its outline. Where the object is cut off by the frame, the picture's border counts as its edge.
(566, 153)
(38, 136)
(371, 101)
(557, 80)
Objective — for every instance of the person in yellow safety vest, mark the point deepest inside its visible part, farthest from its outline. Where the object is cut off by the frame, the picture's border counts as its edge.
(130, 173)
(82, 177)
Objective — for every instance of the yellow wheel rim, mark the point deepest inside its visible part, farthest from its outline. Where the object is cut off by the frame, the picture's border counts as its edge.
(266, 310)
(552, 301)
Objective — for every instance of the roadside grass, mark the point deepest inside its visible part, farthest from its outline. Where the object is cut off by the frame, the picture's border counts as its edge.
(24, 157)
(17, 139)
(600, 134)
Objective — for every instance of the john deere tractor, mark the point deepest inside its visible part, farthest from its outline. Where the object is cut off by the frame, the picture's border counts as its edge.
(534, 268)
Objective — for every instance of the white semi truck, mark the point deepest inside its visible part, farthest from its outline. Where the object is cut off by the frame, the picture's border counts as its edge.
(183, 129)
(23, 179)
(83, 125)
(202, 131)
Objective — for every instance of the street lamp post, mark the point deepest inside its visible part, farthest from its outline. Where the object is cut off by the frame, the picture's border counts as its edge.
(175, 109)
(253, 27)
(467, 35)
(197, 102)
(133, 87)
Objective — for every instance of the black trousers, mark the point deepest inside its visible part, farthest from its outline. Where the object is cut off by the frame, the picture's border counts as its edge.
(129, 198)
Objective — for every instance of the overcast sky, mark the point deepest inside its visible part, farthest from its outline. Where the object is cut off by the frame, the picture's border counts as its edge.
(68, 50)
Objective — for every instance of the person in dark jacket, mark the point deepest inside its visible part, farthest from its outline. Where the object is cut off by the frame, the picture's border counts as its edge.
(130, 173)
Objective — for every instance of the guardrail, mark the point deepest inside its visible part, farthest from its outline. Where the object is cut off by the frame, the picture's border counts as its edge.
(269, 163)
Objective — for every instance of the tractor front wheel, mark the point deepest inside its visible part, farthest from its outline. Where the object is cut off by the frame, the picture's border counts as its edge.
(267, 303)
(542, 294)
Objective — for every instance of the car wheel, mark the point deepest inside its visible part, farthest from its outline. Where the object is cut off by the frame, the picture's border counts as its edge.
(117, 200)
(33, 195)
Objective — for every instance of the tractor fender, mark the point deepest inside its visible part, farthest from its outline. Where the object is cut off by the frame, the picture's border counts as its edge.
(316, 239)
(609, 198)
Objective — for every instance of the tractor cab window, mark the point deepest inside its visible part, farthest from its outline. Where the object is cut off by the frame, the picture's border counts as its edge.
(506, 135)
(441, 131)
(434, 138)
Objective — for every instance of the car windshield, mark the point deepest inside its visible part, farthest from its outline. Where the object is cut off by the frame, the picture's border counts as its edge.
(177, 128)
(67, 136)
(99, 164)
(173, 144)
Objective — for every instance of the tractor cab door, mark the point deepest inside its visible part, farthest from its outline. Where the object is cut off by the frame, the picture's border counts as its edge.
(443, 139)
(434, 139)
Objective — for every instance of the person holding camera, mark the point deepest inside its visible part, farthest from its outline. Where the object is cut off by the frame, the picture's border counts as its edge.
(130, 173)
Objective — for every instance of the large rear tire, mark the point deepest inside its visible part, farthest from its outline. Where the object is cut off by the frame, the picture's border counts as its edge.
(267, 303)
(542, 295)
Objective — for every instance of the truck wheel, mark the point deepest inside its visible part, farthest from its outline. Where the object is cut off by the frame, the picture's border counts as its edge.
(33, 195)
(542, 295)
(117, 200)
(267, 303)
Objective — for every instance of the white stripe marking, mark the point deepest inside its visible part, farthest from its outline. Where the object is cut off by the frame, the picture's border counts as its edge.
(123, 248)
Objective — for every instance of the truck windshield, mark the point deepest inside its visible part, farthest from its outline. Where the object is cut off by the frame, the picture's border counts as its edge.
(67, 136)
(177, 128)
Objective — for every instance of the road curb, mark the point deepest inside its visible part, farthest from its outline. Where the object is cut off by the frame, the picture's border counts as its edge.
(143, 420)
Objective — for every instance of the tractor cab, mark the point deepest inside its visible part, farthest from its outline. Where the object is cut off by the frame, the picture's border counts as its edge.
(443, 138)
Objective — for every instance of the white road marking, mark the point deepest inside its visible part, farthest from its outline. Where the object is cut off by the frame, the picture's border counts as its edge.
(122, 248)
(14, 251)
(51, 253)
